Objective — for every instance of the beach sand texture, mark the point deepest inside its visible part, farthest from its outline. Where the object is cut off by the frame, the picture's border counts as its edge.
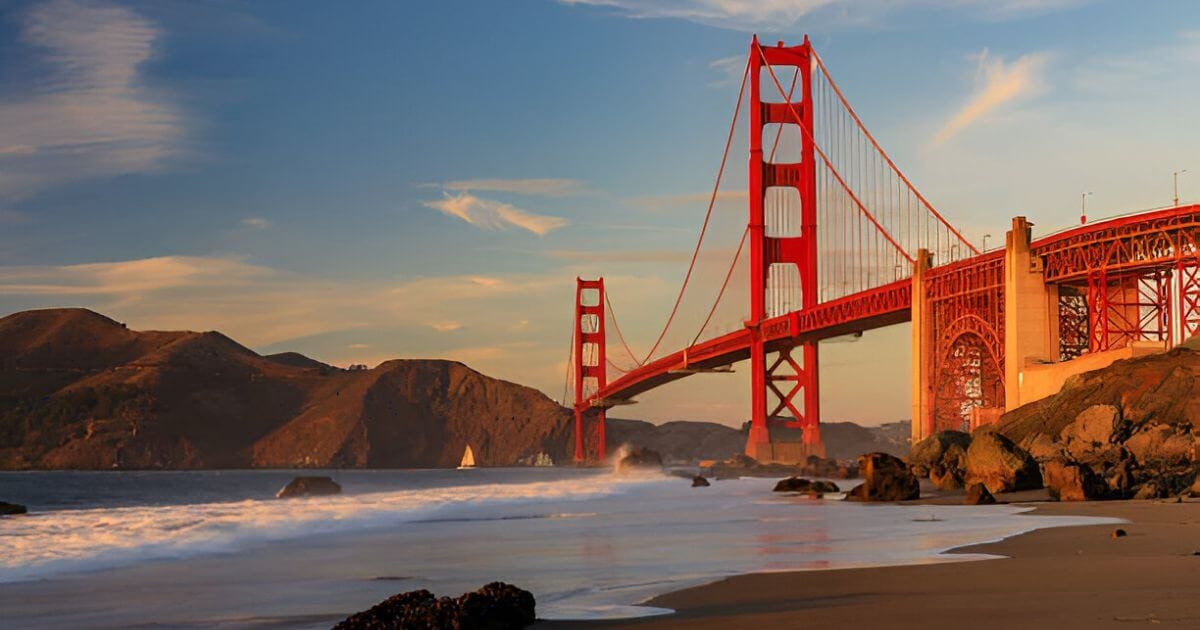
(1062, 577)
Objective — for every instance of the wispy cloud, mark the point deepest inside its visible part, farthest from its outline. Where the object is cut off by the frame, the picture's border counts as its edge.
(128, 278)
(358, 346)
(729, 68)
(997, 83)
(532, 187)
(623, 256)
(777, 15)
(445, 326)
(494, 215)
(91, 113)
(256, 223)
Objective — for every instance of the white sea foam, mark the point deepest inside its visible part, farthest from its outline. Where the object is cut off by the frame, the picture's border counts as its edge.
(39, 545)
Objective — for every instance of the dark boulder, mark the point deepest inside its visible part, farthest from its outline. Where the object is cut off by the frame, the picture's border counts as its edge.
(977, 494)
(309, 486)
(885, 478)
(700, 482)
(947, 449)
(1073, 482)
(11, 509)
(806, 486)
(639, 458)
(998, 463)
(496, 606)
(794, 484)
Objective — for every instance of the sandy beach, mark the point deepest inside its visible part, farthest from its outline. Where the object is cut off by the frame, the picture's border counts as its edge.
(1063, 577)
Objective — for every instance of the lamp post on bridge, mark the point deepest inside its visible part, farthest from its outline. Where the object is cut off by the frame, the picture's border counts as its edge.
(1175, 177)
(985, 238)
(1083, 207)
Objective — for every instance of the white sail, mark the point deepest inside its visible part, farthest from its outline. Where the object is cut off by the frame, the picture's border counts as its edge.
(468, 460)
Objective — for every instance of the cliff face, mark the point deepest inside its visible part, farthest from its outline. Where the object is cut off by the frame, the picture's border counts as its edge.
(79, 390)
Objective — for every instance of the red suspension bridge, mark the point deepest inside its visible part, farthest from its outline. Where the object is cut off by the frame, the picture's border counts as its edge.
(838, 241)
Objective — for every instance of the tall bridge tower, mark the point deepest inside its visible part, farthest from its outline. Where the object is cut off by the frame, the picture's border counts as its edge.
(782, 197)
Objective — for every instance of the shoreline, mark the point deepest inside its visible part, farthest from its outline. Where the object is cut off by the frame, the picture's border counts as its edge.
(1074, 576)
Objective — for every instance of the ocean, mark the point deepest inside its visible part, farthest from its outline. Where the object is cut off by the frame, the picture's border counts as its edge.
(216, 549)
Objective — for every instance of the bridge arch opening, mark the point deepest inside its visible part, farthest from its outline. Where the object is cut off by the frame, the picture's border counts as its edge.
(970, 375)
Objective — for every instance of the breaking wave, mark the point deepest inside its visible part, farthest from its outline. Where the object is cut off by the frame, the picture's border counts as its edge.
(64, 541)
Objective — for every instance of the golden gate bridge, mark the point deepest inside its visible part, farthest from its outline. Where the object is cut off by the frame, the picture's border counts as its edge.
(838, 241)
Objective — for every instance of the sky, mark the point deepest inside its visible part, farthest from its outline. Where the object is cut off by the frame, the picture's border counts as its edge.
(427, 179)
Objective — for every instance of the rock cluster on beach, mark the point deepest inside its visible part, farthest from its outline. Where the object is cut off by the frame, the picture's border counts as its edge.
(742, 465)
(11, 509)
(495, 606)
(1128, 431)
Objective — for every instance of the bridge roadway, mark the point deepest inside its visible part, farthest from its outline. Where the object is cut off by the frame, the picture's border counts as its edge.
(1158, 239)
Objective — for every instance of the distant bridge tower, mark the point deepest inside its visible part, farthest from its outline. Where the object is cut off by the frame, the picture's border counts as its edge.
(590, 368)
(782, 196)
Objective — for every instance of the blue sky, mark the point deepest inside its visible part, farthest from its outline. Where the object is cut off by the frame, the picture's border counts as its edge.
(427, 179)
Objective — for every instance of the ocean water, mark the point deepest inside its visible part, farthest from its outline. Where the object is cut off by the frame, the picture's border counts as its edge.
(215, 549)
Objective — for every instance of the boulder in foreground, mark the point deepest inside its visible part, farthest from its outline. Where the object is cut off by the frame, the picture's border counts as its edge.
(885, 478)
(639, 458)
(700, 482)
(11, 509)
(496, 606)
(309, 486)
(1002, 466)
(945, 449)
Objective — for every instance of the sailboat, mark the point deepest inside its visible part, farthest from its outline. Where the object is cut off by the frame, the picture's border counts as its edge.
(468, 460)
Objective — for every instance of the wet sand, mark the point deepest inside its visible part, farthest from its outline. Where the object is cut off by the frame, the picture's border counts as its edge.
(1063, 577)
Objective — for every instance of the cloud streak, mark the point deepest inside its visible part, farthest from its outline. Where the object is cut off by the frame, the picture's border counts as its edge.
(997, 84)
(494, 215)
(90, 113)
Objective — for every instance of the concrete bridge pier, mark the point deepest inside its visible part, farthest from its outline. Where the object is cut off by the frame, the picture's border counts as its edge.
(1030, 312)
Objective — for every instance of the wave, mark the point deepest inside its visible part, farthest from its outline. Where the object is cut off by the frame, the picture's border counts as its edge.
(67, 541)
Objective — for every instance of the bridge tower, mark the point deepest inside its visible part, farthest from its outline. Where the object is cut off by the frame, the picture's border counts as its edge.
(589, 367)
(787, 382)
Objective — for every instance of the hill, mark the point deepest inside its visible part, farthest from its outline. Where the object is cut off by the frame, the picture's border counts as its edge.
(79, 390)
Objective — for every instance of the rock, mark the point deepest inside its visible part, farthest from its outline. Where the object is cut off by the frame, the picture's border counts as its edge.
(793, 484)
(885, 478)
(1149, 490)
(309, 486)
(1044, 448)
(1194, 490)
(998, 463)
(977, 494)
(1120, 478)
(496, 606)
(1119, 533)
(1094, 429)
(639, 458)
(700, 482)
(1072, 482)
(945, 448)
(1162, 445)
(825, 487)
(946, 479)
(11, 509)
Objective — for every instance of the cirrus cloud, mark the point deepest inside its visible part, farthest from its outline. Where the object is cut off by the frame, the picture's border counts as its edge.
(91, 113)
(998, 83)
(494, 215)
